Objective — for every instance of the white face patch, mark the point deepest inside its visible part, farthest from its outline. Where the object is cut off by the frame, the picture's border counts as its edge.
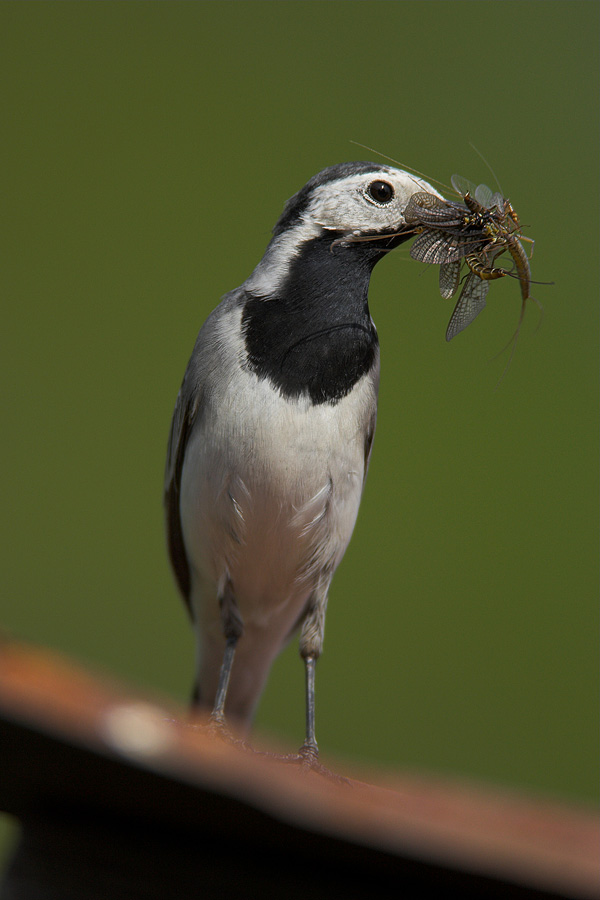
(348, 205)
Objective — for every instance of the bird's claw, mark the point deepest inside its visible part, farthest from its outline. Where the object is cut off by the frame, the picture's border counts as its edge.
(307, 758)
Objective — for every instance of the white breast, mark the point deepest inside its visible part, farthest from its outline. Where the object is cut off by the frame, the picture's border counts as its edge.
(270, 490)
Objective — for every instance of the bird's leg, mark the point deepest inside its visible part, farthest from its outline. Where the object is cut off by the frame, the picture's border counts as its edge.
(217, 716)
(311, 645)
(309, 749)
(233, 628)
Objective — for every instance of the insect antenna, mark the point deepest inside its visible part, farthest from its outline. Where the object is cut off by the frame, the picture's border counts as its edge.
(408, 169)
(513, 340)
(512, 274)
(492, 173)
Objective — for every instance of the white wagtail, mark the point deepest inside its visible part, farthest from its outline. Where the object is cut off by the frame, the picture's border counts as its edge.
(272, 432)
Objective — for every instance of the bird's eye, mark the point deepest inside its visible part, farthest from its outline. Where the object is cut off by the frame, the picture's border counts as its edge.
(381, 191)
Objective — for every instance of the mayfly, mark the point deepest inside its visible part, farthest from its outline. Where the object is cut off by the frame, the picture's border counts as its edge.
(478, 230)
(502, 228)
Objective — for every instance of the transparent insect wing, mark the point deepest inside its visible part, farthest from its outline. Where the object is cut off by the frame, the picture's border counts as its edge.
(484, 195)
(470, 303)
(449, 275)
(498, 201)
(463, 186)
(437, 247)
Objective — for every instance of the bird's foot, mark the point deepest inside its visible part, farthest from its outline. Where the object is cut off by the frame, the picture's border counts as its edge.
(307, 758)
(309, 754)
(217, 727)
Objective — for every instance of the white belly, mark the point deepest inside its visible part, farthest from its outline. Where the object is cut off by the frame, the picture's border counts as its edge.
(270, 493)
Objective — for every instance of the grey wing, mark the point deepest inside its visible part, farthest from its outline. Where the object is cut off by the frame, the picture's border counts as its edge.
(368, 446)
(439, 247)
(430, 247)
(189, 409)
(470, 303)
(186, 413)
(449, 275)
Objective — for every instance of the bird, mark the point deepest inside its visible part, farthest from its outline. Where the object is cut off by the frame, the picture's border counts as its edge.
(271, 438)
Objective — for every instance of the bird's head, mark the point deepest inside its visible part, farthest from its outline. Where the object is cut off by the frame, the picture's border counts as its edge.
(358, 205)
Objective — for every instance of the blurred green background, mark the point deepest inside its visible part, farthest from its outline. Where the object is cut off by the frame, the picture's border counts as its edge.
(147, 151)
